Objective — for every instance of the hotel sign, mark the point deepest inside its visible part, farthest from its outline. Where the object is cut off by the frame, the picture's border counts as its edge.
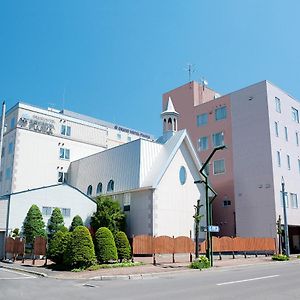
(132, 132)
(37, 124)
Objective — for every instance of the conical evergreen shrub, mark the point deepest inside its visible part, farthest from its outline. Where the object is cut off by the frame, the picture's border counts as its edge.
(56, 222)
(77, 221)
(105, 245)
(123, 246)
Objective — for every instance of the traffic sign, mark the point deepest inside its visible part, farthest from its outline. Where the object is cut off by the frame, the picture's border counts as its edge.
(211, 228)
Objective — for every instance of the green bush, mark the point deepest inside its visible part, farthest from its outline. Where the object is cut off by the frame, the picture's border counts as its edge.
(57, 246)
(298, 256)
(77, 221)
(280, 257)
(201, 263)
(56, 222)
(123, 246)
(105, 245)
(80, 251)
(33, 224)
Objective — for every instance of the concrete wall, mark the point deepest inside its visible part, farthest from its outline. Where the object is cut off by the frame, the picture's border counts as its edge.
(252, 167)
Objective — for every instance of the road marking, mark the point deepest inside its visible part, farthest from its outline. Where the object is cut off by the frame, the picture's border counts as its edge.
(24, 276)
(245, 280)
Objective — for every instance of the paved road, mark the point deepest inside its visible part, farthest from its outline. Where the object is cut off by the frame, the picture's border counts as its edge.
(268, 281)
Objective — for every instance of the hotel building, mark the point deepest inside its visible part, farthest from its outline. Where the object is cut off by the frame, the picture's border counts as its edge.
(260, 126)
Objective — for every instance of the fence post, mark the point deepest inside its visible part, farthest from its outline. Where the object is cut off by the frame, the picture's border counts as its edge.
(191, 257)
(132, 255)
(173, 254)
(232, 248)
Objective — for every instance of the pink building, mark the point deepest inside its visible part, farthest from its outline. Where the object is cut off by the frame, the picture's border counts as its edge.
(260, 126)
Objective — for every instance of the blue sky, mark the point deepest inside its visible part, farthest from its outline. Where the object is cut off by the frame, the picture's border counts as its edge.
(113, 59)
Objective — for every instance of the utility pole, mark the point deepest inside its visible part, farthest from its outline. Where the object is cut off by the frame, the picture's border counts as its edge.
(286, 228)
(197, 218)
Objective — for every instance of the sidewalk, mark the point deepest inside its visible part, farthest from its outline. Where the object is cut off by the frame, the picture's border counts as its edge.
(164, 266)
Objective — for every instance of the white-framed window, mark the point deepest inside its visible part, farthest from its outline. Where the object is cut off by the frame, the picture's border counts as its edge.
(65, 130)
(219, 166)
(89, 190)
(294, 200)
(66, 212)
(110, 186)
(202, 119)
(276, 129)
(278, 159)
(218, 139)
(64, 153)
(277, 104)
(126, 202)
(288, 159)
(99, 188)
(220, 113)
(286, 199)
(46, 210)
(286, 133)
(12, 123)
(203, 143)
(119, 136)
(226, 203)
(62, 177)
(295, 115)
(129, 139)
(10, 148)
(7, 173)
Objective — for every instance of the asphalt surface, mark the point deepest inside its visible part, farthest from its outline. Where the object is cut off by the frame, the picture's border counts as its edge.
(263, 281)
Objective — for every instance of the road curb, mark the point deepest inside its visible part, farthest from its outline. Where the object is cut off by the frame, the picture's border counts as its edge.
(23, 270)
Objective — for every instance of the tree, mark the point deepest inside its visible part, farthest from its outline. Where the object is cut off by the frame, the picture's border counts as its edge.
(57, 246)
(123, 246)
(105, 245)
(77, 221)
(33, 224)
(108, 214)
(56, 222)
(80, 251)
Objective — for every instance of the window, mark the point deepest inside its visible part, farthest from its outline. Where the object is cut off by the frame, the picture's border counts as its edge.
(10, 148)
(203, 143)
(219, 166)
(218, 139)
(99, 188)
(129, 139)
(62, 177)
(66, 212)
(110, 186)
(202, 119)
(276, 129)
(297, 138)
(65, 130)
(295, 115)
(46, 210)
(7, 173)
(64, 153)
(89, 190)
(12, 123)
(278, 159)
(220, 113)
(126, 202)
(277, 105)
(286, 133)
(288, 162)
(294, 200)
(182, 175)
(119, 136)
(226, 203)
(286, 199)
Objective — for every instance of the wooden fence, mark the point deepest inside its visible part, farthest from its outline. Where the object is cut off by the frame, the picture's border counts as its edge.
(148, 245)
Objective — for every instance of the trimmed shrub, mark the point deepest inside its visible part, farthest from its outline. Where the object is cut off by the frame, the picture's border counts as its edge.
(201, 263)
(77, 221)
(123, 246)
(33, 225)
(57, 246)
(80, 251)
(280, 257)
(105, 245)
(56, 222)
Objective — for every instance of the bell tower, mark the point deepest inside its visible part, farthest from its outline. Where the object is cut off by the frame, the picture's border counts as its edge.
(170, 119)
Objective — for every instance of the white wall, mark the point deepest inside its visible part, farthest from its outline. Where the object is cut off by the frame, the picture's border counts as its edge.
(61, 196)
(252, 163)
(173, 203)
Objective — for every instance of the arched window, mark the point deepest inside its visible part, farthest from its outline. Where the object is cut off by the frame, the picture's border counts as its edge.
(175, 125)
(169, 124)
(89, 190)
(110, 186)
(99, 188)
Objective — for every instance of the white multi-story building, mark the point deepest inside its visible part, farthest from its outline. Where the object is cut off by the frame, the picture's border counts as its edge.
(39, 144)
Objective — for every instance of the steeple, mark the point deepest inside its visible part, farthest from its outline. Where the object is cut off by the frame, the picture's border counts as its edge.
(170, 118)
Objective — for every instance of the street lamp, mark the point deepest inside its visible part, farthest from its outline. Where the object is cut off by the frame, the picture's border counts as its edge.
(286, 230)
(209, 253)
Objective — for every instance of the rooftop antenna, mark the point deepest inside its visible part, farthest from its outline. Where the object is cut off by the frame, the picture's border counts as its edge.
(63, 99)
(204, 83)
(190, 68)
